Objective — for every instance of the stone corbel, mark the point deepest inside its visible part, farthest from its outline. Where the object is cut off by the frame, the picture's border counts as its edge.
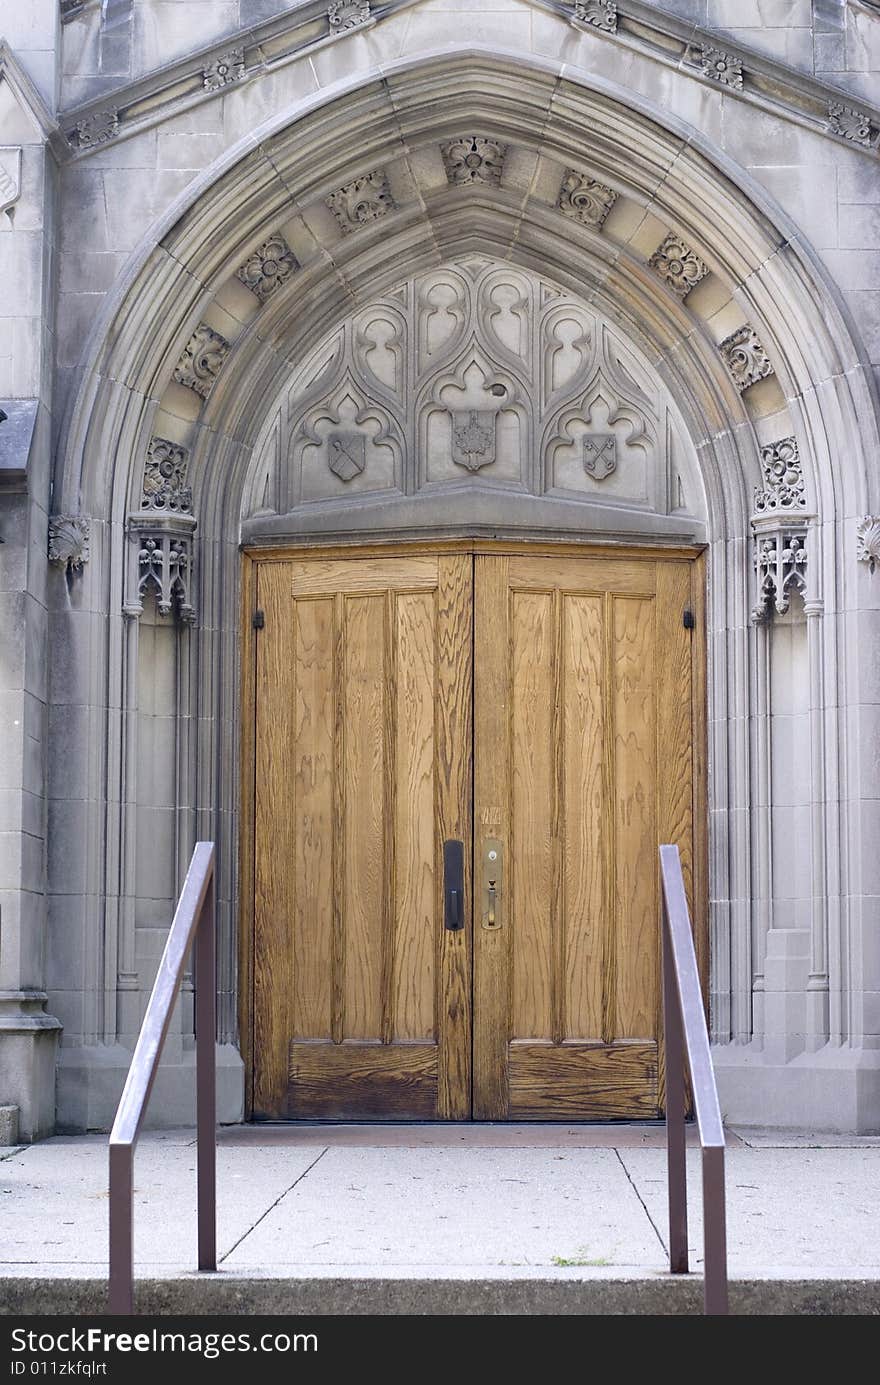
(781, 551)
(160, 561)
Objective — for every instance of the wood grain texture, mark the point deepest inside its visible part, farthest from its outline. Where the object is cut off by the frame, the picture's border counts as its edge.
(575, 1082)
(322, 576)
(274, 866)
(584, 844)
(636, 917)
(352, 1081)
(492, 790)
(454, 809)
(246, 842)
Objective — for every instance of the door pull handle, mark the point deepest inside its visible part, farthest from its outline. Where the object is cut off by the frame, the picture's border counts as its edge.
(493, 873)
(453, 886)
(490, 915)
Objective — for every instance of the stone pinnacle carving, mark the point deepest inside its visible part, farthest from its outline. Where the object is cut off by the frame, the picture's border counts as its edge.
(780, 569)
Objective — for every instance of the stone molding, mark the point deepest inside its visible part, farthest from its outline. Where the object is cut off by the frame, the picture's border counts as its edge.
(640, 26)
(69, 541)
(868, 541)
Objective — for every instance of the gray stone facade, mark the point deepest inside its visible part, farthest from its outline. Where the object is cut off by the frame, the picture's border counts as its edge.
(288, 271)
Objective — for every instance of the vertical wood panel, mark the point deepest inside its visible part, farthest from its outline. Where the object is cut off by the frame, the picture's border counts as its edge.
(274, 871)
(636, 922)
(454, 816)
(492, 769)
(584, 796)
(313, 827)
(414, 975)
(363, 902)
(530, 918)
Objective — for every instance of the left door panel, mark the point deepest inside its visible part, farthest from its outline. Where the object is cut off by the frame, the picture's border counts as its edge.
(362, 772)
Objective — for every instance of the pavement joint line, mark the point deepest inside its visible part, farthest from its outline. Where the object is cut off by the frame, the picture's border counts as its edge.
(272, 1206)
(632, 1184)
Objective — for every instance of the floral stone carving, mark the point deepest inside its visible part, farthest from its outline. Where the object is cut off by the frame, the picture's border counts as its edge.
(852, 124)
(783, 487)
(348, 14)
(584, 199)
(602, 14)
(165, 471)
(229, 67)
(745, 358)
(473, 159)
(97, 129)
(69, 541)
(361, 201)
(678, 265)
(473, 438)
(267, 267)
(202, 357)
(868, 541)
(720, 67)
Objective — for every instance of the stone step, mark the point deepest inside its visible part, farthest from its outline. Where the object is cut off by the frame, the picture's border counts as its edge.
(569, 1294)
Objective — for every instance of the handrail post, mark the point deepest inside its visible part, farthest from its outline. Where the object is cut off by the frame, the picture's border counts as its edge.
(676, 1164)
(206, 1081)
(121, 1276)
(715, 1290)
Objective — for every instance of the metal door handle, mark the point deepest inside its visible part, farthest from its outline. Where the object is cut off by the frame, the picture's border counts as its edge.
(453, 886)
(493, 883)
(490, 916)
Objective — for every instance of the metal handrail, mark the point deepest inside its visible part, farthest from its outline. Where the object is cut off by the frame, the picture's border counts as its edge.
(193, 921)
(686, 1036)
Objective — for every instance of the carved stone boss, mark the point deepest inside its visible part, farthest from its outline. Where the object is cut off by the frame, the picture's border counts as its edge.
(868, 541)
(69, 541)
(584, 199)
(601, 14)
(473, 159)
(347, 14)
(745, 358)
(677, 265)
(268, 267)
(201, 359)
(361, 201)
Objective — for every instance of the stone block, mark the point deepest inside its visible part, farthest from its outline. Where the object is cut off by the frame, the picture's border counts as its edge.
(810, 198)
(168, 29)
(860, 227)
(9, 1119)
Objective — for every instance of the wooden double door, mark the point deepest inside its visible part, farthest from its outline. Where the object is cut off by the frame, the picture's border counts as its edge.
(539, 708)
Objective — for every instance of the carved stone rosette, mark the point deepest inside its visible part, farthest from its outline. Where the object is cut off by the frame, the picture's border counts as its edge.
(783, 475)
(69, 541)
(868, 541)
(745, 358)
(780, 560)
(721, 67)
(601, 14)
(584, 199)
(228, 68)
(347, 14)
(165, 487)
(267, 267)
(677, 265)
(97, 129)
(201, 359)
(160, 563)
(473, 159)
(361, 201)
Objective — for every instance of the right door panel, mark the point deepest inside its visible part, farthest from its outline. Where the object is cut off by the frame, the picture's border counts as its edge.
(584, 763)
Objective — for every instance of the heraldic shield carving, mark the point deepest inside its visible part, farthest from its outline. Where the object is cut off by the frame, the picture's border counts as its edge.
(600, 455)
(346, 454)
(473, 437)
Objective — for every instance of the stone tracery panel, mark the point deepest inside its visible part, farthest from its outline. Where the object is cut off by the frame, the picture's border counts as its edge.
(476, 372)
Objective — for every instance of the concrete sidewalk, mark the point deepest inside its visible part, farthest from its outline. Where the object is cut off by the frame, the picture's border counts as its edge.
(443, 1219)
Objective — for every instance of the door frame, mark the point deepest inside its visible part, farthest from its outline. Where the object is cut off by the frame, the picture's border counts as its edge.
(253, 555)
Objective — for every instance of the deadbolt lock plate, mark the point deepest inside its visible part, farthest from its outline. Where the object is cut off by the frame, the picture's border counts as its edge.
(493, 883)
